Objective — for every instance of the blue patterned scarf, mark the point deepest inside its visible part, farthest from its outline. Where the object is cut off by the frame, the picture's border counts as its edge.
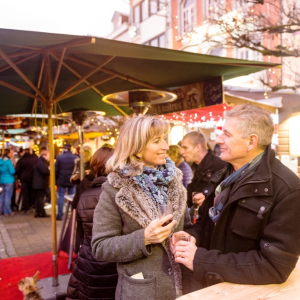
(155, 181)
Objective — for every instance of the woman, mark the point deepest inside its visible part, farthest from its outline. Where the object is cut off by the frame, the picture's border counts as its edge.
(127, 229)
(175, 155)
(7, 179)
(92, 279)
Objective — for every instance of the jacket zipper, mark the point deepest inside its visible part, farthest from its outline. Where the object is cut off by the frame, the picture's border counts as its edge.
(275, 249)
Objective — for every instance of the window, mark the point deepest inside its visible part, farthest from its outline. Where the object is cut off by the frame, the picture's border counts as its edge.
(153, 7)
(145, 10)
(158, 41)
(137, 14)
(188, 15)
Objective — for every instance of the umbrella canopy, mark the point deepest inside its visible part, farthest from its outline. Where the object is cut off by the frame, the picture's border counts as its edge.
(74, 72)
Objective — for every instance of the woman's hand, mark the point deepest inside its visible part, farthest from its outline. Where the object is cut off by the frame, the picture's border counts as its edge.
(155, 233)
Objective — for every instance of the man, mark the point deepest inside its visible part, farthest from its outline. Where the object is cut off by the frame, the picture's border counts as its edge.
(24, 171)
(204, 163)
(248, 232)
(64, 166)
(40, 183)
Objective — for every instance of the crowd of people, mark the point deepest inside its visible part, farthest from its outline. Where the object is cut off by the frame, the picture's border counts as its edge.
(245, 229)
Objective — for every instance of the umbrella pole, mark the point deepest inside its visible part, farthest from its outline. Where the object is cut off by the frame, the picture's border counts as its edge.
(53, 199)
(81, 142)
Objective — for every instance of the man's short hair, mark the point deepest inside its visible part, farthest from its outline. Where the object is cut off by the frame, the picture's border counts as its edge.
(196, 137)
(253, 120)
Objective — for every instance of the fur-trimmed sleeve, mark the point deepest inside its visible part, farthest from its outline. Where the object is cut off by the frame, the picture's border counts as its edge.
(108, 242)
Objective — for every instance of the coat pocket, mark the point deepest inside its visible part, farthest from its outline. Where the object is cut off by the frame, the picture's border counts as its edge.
(250, 218)
(136, 289)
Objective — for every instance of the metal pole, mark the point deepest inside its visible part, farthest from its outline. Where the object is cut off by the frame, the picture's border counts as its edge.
(81, 142)
(53, 198)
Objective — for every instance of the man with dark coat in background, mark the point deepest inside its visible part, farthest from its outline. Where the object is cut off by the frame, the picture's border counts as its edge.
(205, 164)
(64, 166)
(40, 183)
(24, 171)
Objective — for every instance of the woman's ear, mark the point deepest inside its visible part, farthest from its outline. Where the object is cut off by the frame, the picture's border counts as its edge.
(252, 143)
(138, 155)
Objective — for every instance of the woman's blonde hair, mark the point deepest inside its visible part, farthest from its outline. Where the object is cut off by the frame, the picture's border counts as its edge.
(134, 135)
(175, 153)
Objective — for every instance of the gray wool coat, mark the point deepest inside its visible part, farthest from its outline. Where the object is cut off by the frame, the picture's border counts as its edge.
(123, 212)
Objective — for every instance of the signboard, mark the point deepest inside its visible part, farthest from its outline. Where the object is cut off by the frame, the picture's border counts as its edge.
(197, 95)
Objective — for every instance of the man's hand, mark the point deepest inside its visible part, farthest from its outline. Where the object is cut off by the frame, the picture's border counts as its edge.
(156, 233)
(184, 253)
(198, 198)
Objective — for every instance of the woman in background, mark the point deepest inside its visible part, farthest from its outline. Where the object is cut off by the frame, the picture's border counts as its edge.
(174, 153)
(7, 180)
(92, 279)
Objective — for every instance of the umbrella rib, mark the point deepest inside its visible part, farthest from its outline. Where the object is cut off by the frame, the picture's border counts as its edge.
(57, 73)
(23, 76)
(87, 82)
(12, 87)
(20, 61)
(85, 88)
(82, 79)
(125, 77)
(39, 83)
(17, 54)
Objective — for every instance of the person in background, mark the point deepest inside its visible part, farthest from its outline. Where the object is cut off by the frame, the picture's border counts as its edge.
(64, 166)
(127, 228)
(205, 164)
(248, 232)
(7, 179)
(175, 155)
(92, 279)
(40, 183)
(24, 171)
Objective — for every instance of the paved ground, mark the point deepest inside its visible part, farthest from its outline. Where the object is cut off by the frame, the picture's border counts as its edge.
(22, 234)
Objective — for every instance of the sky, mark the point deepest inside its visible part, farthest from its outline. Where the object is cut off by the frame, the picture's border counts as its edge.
(85, 17)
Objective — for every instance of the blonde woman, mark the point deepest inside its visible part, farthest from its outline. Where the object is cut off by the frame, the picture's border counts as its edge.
(127, 228)
(174, 153)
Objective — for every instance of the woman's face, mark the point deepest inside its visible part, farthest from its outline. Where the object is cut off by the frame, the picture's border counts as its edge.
(155, 151)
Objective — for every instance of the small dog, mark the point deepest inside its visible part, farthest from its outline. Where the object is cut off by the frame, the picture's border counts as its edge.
(28, 287)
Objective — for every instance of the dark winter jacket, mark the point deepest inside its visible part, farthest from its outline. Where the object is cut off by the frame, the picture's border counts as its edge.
(41, 174)
(64, 166)
(256, 238)
(91, 279)
(24, 167)
(209, 165)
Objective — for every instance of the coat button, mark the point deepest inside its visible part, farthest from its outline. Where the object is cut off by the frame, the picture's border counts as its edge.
(243, 201)
(217, 277)
(209, 276)
(262, 208)
(256, 190)
(266, 190)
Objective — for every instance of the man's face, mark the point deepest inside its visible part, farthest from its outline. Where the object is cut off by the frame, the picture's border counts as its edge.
(234, 148)
(189, 151)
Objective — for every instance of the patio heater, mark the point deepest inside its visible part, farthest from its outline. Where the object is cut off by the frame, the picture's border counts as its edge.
(140, 100)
